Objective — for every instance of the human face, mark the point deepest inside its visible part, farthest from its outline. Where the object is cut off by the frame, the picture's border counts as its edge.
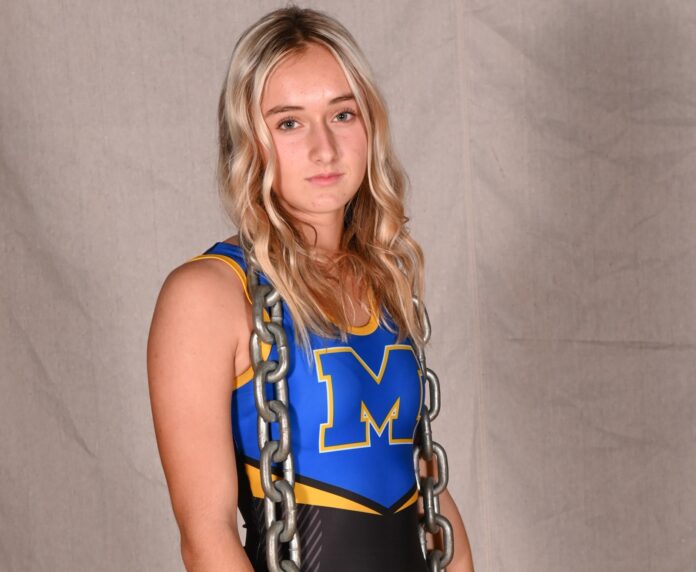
(317, 131)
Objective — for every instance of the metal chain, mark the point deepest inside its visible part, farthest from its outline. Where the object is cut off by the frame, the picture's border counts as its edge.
(281, 491)
(424, 448)
(283, 531)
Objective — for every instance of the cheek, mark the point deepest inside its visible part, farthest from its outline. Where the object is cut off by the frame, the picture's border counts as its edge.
(361, 153)
(356, 145)
(288, 156)
(363, 144)
(288, 148)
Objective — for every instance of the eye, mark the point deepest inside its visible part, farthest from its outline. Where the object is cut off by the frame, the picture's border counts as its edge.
(346, 112)
(283, 124)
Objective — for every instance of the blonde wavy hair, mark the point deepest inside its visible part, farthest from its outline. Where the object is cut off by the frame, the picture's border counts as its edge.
(376, 247)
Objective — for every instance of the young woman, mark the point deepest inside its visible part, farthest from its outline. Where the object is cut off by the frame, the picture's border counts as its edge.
(309, 178)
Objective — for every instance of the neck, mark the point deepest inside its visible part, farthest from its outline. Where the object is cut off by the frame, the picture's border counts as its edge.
(323, 236)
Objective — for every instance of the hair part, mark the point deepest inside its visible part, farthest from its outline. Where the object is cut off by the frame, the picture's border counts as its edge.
(376, 247)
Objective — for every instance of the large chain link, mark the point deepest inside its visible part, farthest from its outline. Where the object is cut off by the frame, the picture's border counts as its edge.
(280, 491)
(424, 448)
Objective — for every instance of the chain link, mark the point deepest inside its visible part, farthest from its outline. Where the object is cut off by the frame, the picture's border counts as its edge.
(424, 448)
(280, 530)
(281, 491)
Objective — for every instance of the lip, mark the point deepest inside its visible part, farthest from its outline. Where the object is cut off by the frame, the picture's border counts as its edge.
(325, 179)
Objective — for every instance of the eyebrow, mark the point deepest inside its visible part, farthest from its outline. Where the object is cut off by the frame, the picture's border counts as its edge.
(284, 108)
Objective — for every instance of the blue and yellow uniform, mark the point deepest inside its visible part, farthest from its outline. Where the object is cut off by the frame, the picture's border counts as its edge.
(353, 415)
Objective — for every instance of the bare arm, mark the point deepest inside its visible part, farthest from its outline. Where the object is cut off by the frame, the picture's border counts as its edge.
(462, 560)
(193, 337)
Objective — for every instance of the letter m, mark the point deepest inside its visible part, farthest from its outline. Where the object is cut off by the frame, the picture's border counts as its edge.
(383, 400)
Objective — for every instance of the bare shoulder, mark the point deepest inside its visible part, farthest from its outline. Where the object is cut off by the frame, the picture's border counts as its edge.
(201, 309)
(202, 280)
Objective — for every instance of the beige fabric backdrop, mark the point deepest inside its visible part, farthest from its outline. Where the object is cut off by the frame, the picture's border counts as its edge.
(550, 146)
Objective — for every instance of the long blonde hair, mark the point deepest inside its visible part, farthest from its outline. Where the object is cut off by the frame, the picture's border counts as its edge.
(376, 247)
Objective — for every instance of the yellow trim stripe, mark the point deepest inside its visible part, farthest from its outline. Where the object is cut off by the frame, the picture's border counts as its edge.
(413, 498)
(373, 322)
(311, 495)
(365, 329)
(305, 494)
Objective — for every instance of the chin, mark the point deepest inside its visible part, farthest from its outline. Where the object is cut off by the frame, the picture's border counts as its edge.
(330, 202)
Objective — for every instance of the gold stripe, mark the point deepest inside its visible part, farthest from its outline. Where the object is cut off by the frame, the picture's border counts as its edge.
(372, 324)
(365, 329)
(413, 498)
(305, 494)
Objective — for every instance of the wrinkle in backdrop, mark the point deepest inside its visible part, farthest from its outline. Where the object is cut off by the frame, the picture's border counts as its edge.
(549, 147)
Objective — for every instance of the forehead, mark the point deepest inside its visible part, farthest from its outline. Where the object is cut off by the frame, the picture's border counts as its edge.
(310, 77)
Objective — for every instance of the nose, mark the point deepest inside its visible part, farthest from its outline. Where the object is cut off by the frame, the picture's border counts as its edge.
(323, 146)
